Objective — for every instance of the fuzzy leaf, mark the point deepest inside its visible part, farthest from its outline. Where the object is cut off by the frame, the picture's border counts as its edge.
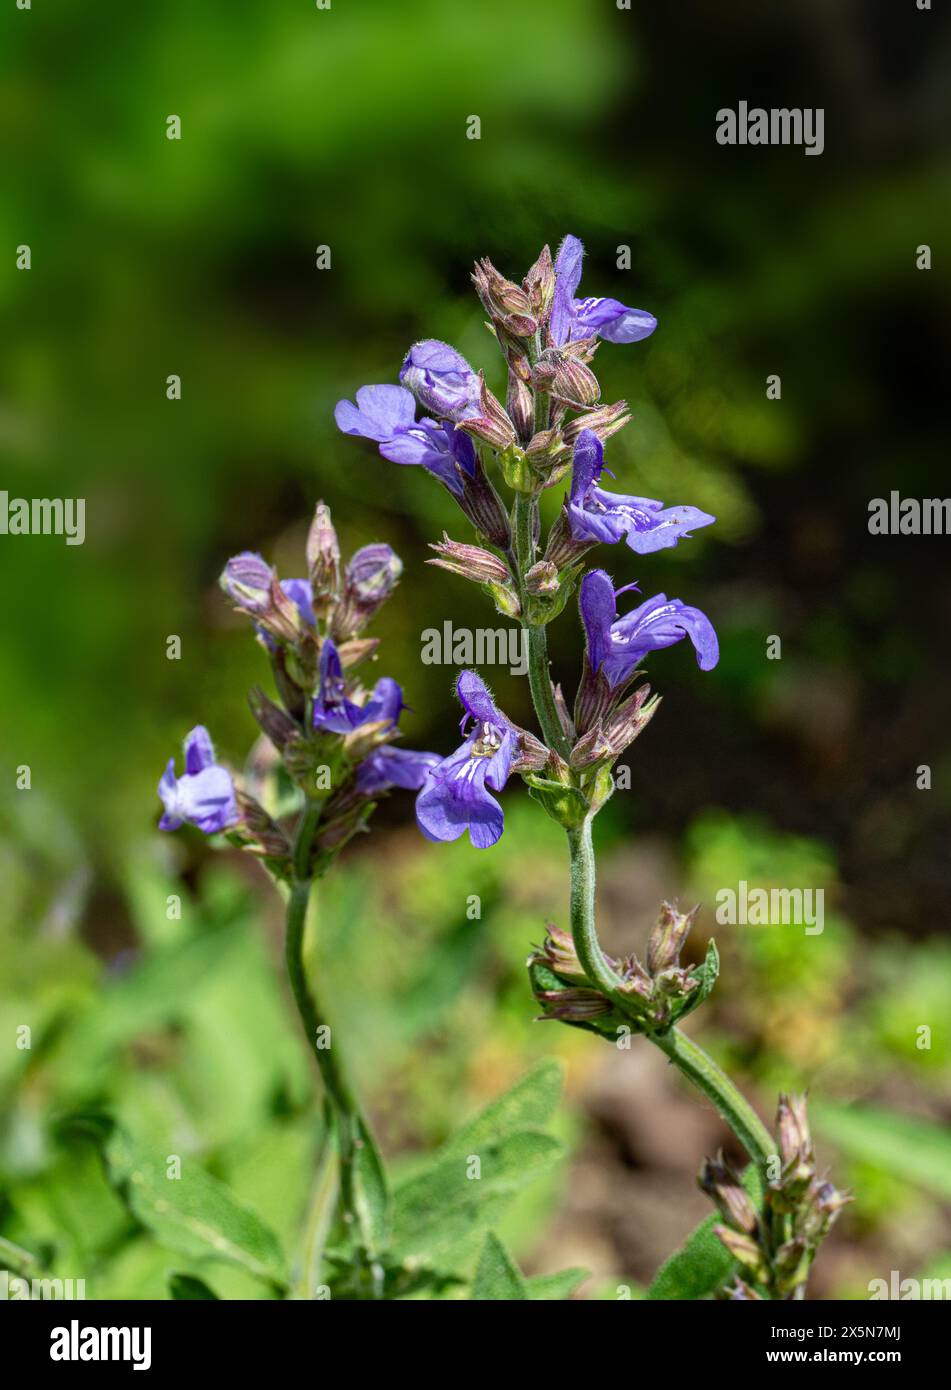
(702, 1264)
(529, 1104)
(497, 1276)
(443, 1203)
(195, 1215)
(558, 1286)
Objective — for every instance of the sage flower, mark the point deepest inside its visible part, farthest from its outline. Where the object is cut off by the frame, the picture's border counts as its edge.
(334, 712)
(204, 796)
(573, 318)
(441, 380)
(617, 645)
(388, 767)
(595, 514)
(457, 793)
(386, 414)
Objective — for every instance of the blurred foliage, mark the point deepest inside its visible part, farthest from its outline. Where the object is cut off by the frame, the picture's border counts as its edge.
(346, 128)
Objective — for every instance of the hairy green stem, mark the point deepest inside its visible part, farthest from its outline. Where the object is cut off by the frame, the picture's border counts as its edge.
(539, 675)
(583, 929)
(691, 1059)
(348, 1116)
(734, 1109)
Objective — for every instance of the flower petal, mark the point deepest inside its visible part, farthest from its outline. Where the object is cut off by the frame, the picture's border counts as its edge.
(199, 750)
(598, 612)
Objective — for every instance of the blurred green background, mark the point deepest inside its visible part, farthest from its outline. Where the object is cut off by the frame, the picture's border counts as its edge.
(347, 128)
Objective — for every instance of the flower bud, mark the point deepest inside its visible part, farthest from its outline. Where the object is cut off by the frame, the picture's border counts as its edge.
(743, 1249)
(470, 561)
(259, 833)
(604, 421)
(505, 303)
(542, 578)
(722, 1185)
(370, 578)
(275, 722)
(246, 579)
(520, 406)
(539, 286)
(667, 937)
(566, 378)
(441, 380)
(792, 1124)
(323, 561)
(490, 423)
(548, 455)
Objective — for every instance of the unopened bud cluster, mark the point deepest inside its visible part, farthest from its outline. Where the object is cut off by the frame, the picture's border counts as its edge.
(775, 1242)
(651, 997)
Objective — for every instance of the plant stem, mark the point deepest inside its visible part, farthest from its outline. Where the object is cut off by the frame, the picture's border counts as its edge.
(703, 1071)
(695, 1064)
(539, 675)
(583, 929)
(347, 1113)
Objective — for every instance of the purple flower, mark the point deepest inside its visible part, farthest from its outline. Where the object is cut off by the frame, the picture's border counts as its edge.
(573, 318)
(456, 796)
(388, 767)
(299, 591)
(247, 582)
(597, 515)
(441, 380)
(336, 714)
(387, 415)
(616, 645)
(204, 796)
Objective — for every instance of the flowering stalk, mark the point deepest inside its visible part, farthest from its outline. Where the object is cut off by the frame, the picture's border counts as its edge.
(554, 427)
(329, 747)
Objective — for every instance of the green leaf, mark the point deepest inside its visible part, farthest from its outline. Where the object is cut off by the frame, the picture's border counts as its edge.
(912, 1149)
(189, 1286)
(555, 1286)
(446, 1202)
(497, 1276)
(529, 1104)
(702, 1264)
(194, 1214)
(706, 974)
